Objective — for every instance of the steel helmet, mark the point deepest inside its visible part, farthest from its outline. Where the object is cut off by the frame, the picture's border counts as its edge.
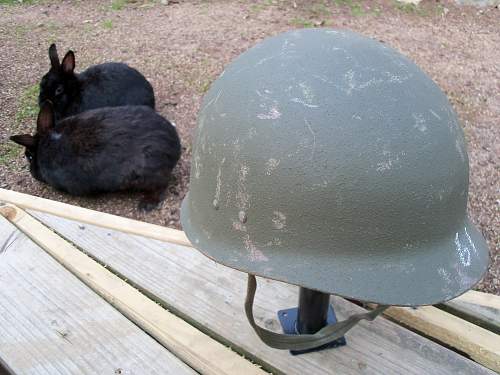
(328, 160)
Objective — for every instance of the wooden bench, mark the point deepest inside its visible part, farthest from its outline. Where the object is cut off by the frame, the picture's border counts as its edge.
(88, 292)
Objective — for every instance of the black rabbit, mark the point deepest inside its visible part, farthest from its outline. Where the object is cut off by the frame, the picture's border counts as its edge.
(103, 85)
(104, 150)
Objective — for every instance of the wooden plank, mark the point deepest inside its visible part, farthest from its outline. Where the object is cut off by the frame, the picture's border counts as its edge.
(85, 215)
(480, 344)
(195, 348)
(480, 299)
(479, 308)
(51, 323)
(153, 231)
(212, 296)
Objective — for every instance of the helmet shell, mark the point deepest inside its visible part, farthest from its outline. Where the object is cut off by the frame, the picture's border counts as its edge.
(328, 160)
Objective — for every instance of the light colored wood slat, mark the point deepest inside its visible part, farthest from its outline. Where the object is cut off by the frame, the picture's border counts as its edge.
(477, 307)
(195, 348)
(85, 215)
(51, 323)
(480, 299)
(153, 231)
(480, 344)
(212, 296)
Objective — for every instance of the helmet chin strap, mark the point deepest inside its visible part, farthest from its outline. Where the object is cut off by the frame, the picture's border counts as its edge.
(324, 336)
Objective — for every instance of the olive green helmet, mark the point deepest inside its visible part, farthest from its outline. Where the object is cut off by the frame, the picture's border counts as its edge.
(328, 160)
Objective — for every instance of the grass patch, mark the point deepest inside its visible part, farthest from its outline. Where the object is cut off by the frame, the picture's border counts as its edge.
(18, 2)
(440, 10)
(28, 104)
(25, 118)
(119, 4)
(107, 24)
(262, 5)
(8, 152)
(320, 10)
(205, 85)
(409, 8)
(20, 31)
(256, 8)
(405, 7)
(301, 22)
(377, 11)
(357, 9)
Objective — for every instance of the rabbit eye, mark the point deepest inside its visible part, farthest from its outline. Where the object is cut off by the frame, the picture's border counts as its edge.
(59, 90)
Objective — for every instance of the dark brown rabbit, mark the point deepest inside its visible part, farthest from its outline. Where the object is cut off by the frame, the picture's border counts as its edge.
(103, 85)
(104, 150)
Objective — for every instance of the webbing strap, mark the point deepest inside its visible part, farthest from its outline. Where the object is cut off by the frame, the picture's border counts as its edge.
(324, 336)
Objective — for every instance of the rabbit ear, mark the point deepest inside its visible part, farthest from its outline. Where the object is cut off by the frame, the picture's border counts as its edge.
(45, 121)
(26, 140)
(54, 58)
(68, 63)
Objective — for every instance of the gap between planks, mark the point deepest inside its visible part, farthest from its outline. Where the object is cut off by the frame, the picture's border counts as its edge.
(52, 323)
(211, 297)
(157, 232)
(479, 308)
(197, 349)
(482, 345)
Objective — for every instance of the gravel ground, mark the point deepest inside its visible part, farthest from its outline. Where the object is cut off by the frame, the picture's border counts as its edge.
(182, 46)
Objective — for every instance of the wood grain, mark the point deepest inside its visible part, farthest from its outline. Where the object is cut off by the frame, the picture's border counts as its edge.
(102, 219)
(195, 348)
(51, 323)
(211, 296)
(479, 343)
(479, 308)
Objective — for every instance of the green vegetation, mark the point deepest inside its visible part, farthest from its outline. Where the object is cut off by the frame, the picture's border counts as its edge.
(440, 10)
(24, 119)
(18, 2)
(357, 10)
(205, 86)
(356, 7)
(107, 24)
(377, 11)
(256, 8)
(410, 8)
(118, 4)
(405, 7)
(320, 10)
(8, 152)
(20, 31)
(262, 5)
(301, 22)
(28, 104)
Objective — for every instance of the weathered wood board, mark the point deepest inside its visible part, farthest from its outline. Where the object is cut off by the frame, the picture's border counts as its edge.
(480, 344)
(51, 323)
(85, 215)
(194, 347)
(477, 307)
(211, 297)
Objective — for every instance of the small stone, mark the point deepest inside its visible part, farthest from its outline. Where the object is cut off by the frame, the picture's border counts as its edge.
(242, 216)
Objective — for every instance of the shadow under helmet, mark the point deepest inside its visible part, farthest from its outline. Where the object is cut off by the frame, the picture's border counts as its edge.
(327, 160)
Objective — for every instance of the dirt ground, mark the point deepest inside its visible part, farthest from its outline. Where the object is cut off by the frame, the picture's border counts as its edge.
(181, 46)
